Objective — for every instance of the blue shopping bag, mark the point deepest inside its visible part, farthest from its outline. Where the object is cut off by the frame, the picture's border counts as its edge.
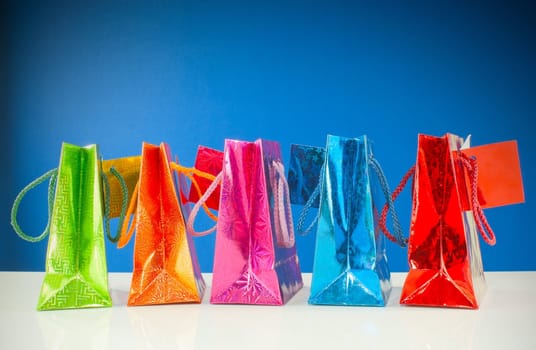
(342, 180)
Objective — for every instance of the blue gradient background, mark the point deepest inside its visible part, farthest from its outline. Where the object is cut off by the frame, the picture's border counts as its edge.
(117, 73)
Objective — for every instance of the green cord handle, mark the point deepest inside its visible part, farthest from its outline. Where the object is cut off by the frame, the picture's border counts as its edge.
(124, 204)
(53, 175)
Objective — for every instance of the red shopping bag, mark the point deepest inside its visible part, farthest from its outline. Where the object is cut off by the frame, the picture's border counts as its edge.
(452, 184)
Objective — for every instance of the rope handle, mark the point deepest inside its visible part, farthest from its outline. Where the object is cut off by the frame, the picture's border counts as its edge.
(53, 175)
(127, 227)
(305, 210)
(482, 224)
(284, 228)
(398, 237)
(201, 203)
(383, 216)
(189, 173)
(471, 166)
(124, 203)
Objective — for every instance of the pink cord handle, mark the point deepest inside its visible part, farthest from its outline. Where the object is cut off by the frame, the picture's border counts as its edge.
(199, 204)
(284, 229)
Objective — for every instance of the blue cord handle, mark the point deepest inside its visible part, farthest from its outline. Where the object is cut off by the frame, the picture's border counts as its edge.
(53, 175)
(308, 205)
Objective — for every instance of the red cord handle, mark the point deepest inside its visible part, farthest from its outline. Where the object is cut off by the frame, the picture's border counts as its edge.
(482, 224)
(394, 195)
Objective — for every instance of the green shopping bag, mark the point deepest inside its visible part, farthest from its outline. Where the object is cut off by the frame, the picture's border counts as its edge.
(76, 274)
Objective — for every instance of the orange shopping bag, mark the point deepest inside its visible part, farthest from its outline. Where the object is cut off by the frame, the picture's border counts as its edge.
(166, 269)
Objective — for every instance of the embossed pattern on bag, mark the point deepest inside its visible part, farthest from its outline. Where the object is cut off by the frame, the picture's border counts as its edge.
(76, 273)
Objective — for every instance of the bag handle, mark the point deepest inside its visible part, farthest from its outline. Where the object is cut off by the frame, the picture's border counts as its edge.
(189, 173)
(398, 238)
(282, 214)
(127, 227)
(124, 203)
(375, 165)
(53, 175)
(482, 224)
(197, 206)
(392, 198)
(308, 205)
(471, 166)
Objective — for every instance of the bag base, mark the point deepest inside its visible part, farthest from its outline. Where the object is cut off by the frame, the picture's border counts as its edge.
(61, 291)
(353, 288)
(443, 288)
(164, 288)
(250, 289)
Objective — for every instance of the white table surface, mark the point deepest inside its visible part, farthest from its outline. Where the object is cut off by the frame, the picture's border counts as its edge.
(505, 320)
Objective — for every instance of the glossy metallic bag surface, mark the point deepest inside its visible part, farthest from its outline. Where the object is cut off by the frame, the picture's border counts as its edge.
(255, 259)
(452, 183)
(166, 269)
(350, 264)
(76, 273)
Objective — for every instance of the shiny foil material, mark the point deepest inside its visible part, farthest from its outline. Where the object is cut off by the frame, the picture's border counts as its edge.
(350, 264)
(499, 174)
(210, 161)
(444, 253)
(166, 269)
(304, 172)
(255, 259)
(129, 168)
(76, 274)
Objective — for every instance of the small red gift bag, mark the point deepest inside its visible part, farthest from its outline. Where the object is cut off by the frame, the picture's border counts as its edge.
(452, 184)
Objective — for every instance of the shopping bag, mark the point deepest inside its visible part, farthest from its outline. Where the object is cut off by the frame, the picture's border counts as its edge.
(165, 269)
(76, 272)
(350, 264)
(451, 185)
(255, 260)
